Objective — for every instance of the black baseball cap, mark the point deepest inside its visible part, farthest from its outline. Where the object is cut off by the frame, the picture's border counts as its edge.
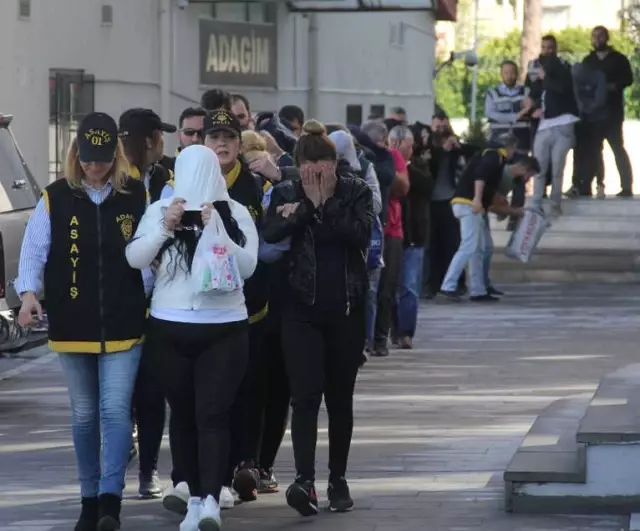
(97, 138)
(222, 120)
(143, 122)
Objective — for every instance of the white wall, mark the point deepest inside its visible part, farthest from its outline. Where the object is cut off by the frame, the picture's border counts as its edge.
(359, 63)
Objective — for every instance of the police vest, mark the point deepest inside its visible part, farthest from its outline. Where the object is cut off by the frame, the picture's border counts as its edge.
(95, 301)
(507, 102)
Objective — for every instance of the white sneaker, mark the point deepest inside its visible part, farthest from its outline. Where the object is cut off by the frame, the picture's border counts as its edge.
(210, 516)
(192, 520)
(227, 500)
(175, 499)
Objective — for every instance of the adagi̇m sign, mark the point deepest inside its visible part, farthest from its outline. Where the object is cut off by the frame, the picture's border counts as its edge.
(236, 53)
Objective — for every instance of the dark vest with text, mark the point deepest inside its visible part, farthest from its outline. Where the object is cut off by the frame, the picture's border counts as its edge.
(95, 301)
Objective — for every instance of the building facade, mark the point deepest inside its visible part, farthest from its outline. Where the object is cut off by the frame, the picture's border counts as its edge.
(61, 59)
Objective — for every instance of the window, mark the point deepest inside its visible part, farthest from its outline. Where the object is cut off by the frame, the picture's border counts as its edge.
(556, 18)
(24, 8)
(354, 114)
(377, 111)
(107, 15)
(15, 180)
(259, 12)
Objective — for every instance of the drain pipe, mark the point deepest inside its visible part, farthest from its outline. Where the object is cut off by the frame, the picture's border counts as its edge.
(312, 62)
(166, 59)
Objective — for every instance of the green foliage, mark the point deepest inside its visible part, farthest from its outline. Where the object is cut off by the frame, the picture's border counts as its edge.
(476, 134)
(453, 84)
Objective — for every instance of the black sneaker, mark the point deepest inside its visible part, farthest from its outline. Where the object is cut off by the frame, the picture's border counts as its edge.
(452, 296)
(339, 497)
(268, 482)
(495, 292)
(301, 496)
(246, 482)
(88, 520)
(149, 488)
(624, 193)
(380, 351)
(109, 506)
(484, 298)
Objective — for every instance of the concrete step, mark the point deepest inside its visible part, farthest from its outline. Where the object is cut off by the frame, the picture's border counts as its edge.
(595, 207)
(588, 224)
(570, 241)
(609, 431)
(614, 413)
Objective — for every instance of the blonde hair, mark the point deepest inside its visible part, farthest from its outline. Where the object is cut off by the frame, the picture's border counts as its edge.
(118, 174)
(253, 141)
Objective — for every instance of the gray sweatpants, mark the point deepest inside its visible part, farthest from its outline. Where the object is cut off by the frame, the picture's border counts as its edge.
(551, 147)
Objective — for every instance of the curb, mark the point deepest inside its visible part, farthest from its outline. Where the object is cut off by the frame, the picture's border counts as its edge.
(27, 366)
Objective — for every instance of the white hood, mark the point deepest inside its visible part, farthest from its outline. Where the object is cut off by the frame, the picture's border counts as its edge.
(198, 177)
(346, 149)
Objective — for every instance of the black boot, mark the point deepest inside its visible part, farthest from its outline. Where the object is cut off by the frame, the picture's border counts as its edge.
(109, 512)
(88, 516)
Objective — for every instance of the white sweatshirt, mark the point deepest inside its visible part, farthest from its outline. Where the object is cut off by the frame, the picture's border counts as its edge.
(198, 179)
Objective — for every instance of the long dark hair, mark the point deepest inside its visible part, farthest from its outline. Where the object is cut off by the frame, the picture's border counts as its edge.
(182, 246)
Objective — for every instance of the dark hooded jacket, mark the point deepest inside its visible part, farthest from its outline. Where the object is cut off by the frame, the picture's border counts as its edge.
(270, 122)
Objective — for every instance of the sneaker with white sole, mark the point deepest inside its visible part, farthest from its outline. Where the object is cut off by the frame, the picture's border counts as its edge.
(175, 499)
(227, 499)
(209, 515)
(192, 520)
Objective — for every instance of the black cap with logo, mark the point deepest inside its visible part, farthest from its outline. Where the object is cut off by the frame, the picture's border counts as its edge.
(143, 123)
(222, 120)
(97, 138)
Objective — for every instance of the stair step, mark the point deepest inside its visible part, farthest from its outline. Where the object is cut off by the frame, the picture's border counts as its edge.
(549, 452)
(614, 413)
(569, 241)
(591, 224)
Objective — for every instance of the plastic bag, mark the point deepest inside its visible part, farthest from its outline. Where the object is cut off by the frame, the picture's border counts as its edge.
(215, 267)
(526, 237)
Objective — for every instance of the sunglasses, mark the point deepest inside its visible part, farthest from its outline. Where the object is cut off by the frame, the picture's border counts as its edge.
(191, 132)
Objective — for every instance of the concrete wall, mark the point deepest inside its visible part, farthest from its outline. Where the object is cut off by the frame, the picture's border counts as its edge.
(364, 59)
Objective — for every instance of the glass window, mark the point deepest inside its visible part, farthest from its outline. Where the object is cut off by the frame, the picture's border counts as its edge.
(377, 111)
(231, 11)
(15, 182)
(556, 18)
(354, 114)
(24, 8)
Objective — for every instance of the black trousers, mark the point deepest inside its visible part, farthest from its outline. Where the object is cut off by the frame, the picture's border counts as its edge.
(611, 131)
(149, 406)
(323, 351)
(261, 407)
(203, 367)
(445, 240)
(389, 280)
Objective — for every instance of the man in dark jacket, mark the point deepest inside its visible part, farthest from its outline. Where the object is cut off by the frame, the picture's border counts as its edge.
(617, 70)
(555, 137)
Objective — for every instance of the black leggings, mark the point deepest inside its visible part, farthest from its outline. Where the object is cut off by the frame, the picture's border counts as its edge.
(149, 406)
(203, 366)
(323, 351)
(259, 418)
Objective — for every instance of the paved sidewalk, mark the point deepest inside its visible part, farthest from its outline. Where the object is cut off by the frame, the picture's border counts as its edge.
(435, 426)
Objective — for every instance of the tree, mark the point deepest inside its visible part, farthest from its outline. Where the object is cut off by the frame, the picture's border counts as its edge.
(531, 33)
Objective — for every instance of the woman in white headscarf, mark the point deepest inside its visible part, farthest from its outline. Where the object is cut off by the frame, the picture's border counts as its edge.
(205, 335)
(347, 153)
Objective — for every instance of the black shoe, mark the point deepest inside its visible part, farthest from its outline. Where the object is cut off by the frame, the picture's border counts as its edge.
(484, 298)
(301, 496)
(133, 452)
(109, 511)
(268, 482)
(339, 496)
(625, 193)
(380, 351)
(149, 486)
(88, 520)
(451, 296)
(246, 482)
(495, 292)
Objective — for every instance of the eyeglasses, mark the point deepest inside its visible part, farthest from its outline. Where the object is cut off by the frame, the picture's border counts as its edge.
(191, 132)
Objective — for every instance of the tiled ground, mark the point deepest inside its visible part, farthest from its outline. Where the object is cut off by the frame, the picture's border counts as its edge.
(435, 426)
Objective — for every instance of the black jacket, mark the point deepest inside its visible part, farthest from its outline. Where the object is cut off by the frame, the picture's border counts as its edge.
(486, 166)
(556, 88)
(617, 70)
(415, 205)
(349, 213)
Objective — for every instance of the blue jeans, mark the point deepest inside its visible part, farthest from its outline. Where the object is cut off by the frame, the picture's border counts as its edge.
(471, 252)
(100, 389)
(409, 290)
(372, 304)
(487, 254)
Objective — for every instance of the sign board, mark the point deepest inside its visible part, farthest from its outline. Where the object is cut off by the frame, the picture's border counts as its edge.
(362, 5)
(238, 54)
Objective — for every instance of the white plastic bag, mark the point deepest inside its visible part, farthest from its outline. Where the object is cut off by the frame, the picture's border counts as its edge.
(214, 266)
(526, 237)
